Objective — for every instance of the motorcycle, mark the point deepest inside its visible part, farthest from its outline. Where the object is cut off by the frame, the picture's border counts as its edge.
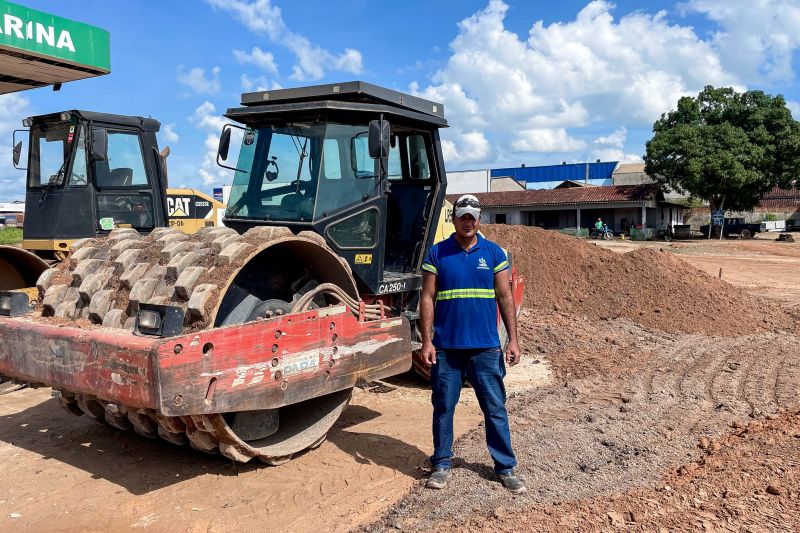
(604, 233)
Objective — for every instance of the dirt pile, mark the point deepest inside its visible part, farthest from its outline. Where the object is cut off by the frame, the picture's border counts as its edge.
(578, 347)
(647, 286)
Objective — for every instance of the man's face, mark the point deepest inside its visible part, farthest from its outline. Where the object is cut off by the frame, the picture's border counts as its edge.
(466, 226)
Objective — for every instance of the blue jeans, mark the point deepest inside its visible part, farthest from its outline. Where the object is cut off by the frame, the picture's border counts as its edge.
(485, 369)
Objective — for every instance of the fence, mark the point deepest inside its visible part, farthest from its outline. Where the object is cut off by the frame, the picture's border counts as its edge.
(642, 234)
(575, 232)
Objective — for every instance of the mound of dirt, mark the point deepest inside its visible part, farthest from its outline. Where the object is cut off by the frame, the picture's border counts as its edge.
(578, 347)
(647, 286)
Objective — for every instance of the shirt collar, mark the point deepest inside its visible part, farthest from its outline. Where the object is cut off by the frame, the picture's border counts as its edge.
(454, 242)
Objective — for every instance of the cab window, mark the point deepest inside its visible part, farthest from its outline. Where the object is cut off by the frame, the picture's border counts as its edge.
(125, 165)
(77, 176)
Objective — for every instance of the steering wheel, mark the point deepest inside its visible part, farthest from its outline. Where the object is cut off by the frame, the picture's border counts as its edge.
(78, 179)
(131, 204)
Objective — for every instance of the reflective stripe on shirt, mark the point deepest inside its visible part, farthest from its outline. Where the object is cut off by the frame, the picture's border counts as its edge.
(464, 293)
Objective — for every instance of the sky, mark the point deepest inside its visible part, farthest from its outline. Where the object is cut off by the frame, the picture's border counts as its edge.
(534, 82)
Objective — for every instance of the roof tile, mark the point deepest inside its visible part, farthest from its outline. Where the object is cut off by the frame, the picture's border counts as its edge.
(570, 196)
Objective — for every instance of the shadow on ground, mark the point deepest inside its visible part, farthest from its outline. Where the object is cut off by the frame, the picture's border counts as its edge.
(141, 465)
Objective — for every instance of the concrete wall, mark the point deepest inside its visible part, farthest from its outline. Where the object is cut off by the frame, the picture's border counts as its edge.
(505, 184)
(467, 181)
(618, 217)
(698, 216)
(536, 185)
(630, 174)
(513, 216)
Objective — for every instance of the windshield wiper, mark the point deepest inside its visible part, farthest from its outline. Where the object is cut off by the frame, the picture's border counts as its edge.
(303, 155)
(54, 179)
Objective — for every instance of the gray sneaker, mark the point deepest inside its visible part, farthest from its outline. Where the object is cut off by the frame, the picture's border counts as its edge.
(438, 478)
(512, 483)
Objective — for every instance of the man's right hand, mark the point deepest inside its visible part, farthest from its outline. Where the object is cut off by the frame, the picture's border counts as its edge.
(429, 353)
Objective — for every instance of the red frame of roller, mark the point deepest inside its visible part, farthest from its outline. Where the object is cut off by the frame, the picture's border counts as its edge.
(259, 365)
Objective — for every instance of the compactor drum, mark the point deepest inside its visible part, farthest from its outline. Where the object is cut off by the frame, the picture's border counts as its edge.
(248, 339)
(217, 278)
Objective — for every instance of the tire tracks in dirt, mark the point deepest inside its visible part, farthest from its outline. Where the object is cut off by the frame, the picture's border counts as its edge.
(601, 435)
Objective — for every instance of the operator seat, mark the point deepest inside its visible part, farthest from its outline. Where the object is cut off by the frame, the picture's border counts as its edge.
(118, 177)
(121, 177)
(291, 202)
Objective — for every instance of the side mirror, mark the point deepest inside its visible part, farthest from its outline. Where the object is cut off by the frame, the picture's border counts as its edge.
(379, 136)
(99, 144)
(224, 144)
(161, 158)
(249, 136)
(17, 152)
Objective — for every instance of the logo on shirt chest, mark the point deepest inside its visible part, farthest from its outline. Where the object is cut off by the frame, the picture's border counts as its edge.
(482, 264)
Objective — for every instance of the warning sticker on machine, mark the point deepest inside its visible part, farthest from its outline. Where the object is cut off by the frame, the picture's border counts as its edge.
(300, 363)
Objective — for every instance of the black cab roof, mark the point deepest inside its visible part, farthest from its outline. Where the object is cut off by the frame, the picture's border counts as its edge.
(142, 123)
(352, 96)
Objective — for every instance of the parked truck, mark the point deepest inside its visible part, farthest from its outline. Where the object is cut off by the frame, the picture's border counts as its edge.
(733, 227)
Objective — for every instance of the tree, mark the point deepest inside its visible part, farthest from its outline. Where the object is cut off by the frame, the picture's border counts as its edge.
(726, 147)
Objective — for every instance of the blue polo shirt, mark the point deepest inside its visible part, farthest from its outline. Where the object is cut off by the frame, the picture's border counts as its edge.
(465, 315)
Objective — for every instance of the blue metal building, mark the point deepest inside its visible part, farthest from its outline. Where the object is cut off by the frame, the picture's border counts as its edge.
(549, 176)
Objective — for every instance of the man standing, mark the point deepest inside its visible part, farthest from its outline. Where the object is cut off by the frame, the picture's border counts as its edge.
(465, 280)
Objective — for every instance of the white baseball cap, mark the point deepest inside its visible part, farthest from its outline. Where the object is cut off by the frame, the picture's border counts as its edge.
(468, 204)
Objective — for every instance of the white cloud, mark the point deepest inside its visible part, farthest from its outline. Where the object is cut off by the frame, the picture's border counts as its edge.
(794, 107)
(470, 147)
(526, 93)
(263, 18)
(260, 83)
(170, 135)
(263, 60)
(197, 80)
(616, 138)
(613, 154)
(205, 118)
(13, 108)
(546, 140)
(755, 39)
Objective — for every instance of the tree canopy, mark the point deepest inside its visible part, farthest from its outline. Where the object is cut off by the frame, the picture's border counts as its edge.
(726, 147)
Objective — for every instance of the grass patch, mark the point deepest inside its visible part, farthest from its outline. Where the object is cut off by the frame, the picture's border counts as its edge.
(10, 235)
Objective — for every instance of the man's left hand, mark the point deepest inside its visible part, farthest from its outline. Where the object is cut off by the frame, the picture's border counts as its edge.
(513, 354)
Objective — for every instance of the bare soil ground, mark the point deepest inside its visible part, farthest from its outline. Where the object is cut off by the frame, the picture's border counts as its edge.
(644, 428)
(761, 266)
(67, 473)
(646, 419)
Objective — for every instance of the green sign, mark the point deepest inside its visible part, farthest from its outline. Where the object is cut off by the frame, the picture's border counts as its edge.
(46, 35)
(107, 223)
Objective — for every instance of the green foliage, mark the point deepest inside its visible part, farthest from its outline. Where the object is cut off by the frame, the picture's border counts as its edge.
(10, 235)
(694, 201)
(769, 217)
(726, 147)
